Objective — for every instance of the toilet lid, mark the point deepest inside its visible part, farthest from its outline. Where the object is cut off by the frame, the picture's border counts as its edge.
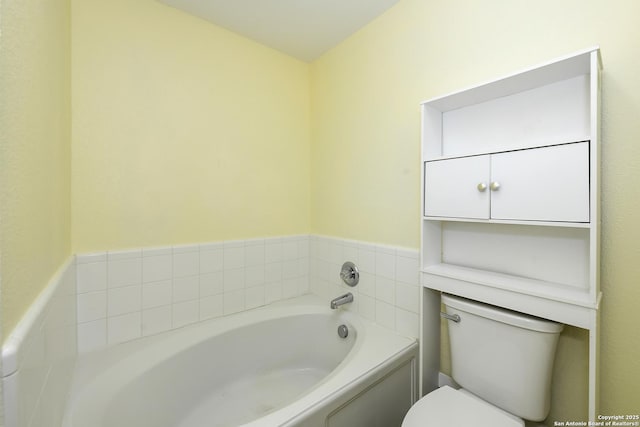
(449, 407)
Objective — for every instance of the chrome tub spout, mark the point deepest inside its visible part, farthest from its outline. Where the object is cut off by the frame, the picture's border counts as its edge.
(341, 300)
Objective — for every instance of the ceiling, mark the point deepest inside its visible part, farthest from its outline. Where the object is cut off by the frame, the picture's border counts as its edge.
(304, 29)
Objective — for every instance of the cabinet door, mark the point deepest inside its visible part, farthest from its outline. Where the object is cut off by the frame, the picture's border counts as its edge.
(542, 184)
(451, 187)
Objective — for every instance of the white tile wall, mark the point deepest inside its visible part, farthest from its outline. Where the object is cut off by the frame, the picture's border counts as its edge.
(124, 327)
(125, 295)
(92, 335)
(38, 357)
(131, 294)
(388, 292)
(156, 320)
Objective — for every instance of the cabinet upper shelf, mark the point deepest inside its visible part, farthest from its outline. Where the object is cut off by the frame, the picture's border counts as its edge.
(564, 68)
(546, 105)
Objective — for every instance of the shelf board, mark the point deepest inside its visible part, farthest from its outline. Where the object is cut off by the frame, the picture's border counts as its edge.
(583, 138)
(522, 285)
(550, 72)
(585, 225)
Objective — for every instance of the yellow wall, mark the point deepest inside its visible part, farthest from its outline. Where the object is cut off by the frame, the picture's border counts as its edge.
(182, 132)
(34, 149)
(365, 150)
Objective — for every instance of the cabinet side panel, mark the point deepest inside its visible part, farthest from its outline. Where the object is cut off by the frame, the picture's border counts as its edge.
(431, 132)
(595, 172)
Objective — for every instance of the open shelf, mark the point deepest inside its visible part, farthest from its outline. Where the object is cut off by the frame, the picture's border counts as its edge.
(564, 304)
(524, 285)
(551, 72)
(510, 222)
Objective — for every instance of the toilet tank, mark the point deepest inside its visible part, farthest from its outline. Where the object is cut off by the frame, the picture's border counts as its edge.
(502, 356)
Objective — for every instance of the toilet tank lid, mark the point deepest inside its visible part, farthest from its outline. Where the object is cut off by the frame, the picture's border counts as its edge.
(503, 315)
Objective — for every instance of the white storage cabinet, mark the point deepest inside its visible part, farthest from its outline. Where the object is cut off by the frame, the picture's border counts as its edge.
(542, 184)
(511, 190)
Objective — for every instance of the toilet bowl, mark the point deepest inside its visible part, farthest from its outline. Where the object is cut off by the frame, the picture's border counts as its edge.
(457, 408)
(494, 352)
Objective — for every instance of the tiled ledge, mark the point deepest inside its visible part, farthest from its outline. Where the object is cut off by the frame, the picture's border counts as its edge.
(38, 356)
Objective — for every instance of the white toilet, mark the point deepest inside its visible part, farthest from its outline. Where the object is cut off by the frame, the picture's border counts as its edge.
(503, 360)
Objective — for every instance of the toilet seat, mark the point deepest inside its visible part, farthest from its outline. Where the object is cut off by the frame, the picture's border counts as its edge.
(449, 407)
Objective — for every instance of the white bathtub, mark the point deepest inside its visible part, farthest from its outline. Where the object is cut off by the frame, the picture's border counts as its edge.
(280, 365)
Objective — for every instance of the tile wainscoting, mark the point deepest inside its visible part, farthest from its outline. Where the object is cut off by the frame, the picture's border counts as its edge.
(388, 291)
(125, 295)
(38, 357)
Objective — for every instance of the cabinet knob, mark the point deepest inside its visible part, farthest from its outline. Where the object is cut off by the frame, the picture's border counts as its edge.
(495, 186)
(481, 187)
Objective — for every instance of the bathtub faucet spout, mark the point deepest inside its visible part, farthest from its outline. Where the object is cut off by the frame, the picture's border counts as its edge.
(341, 300)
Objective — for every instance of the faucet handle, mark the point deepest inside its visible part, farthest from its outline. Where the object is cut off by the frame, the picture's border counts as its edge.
(350, 274)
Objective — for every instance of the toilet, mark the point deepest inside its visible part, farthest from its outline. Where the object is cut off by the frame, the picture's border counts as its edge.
(502, 360)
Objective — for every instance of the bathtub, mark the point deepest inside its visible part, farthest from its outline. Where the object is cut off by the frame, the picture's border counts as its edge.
(279, 365)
